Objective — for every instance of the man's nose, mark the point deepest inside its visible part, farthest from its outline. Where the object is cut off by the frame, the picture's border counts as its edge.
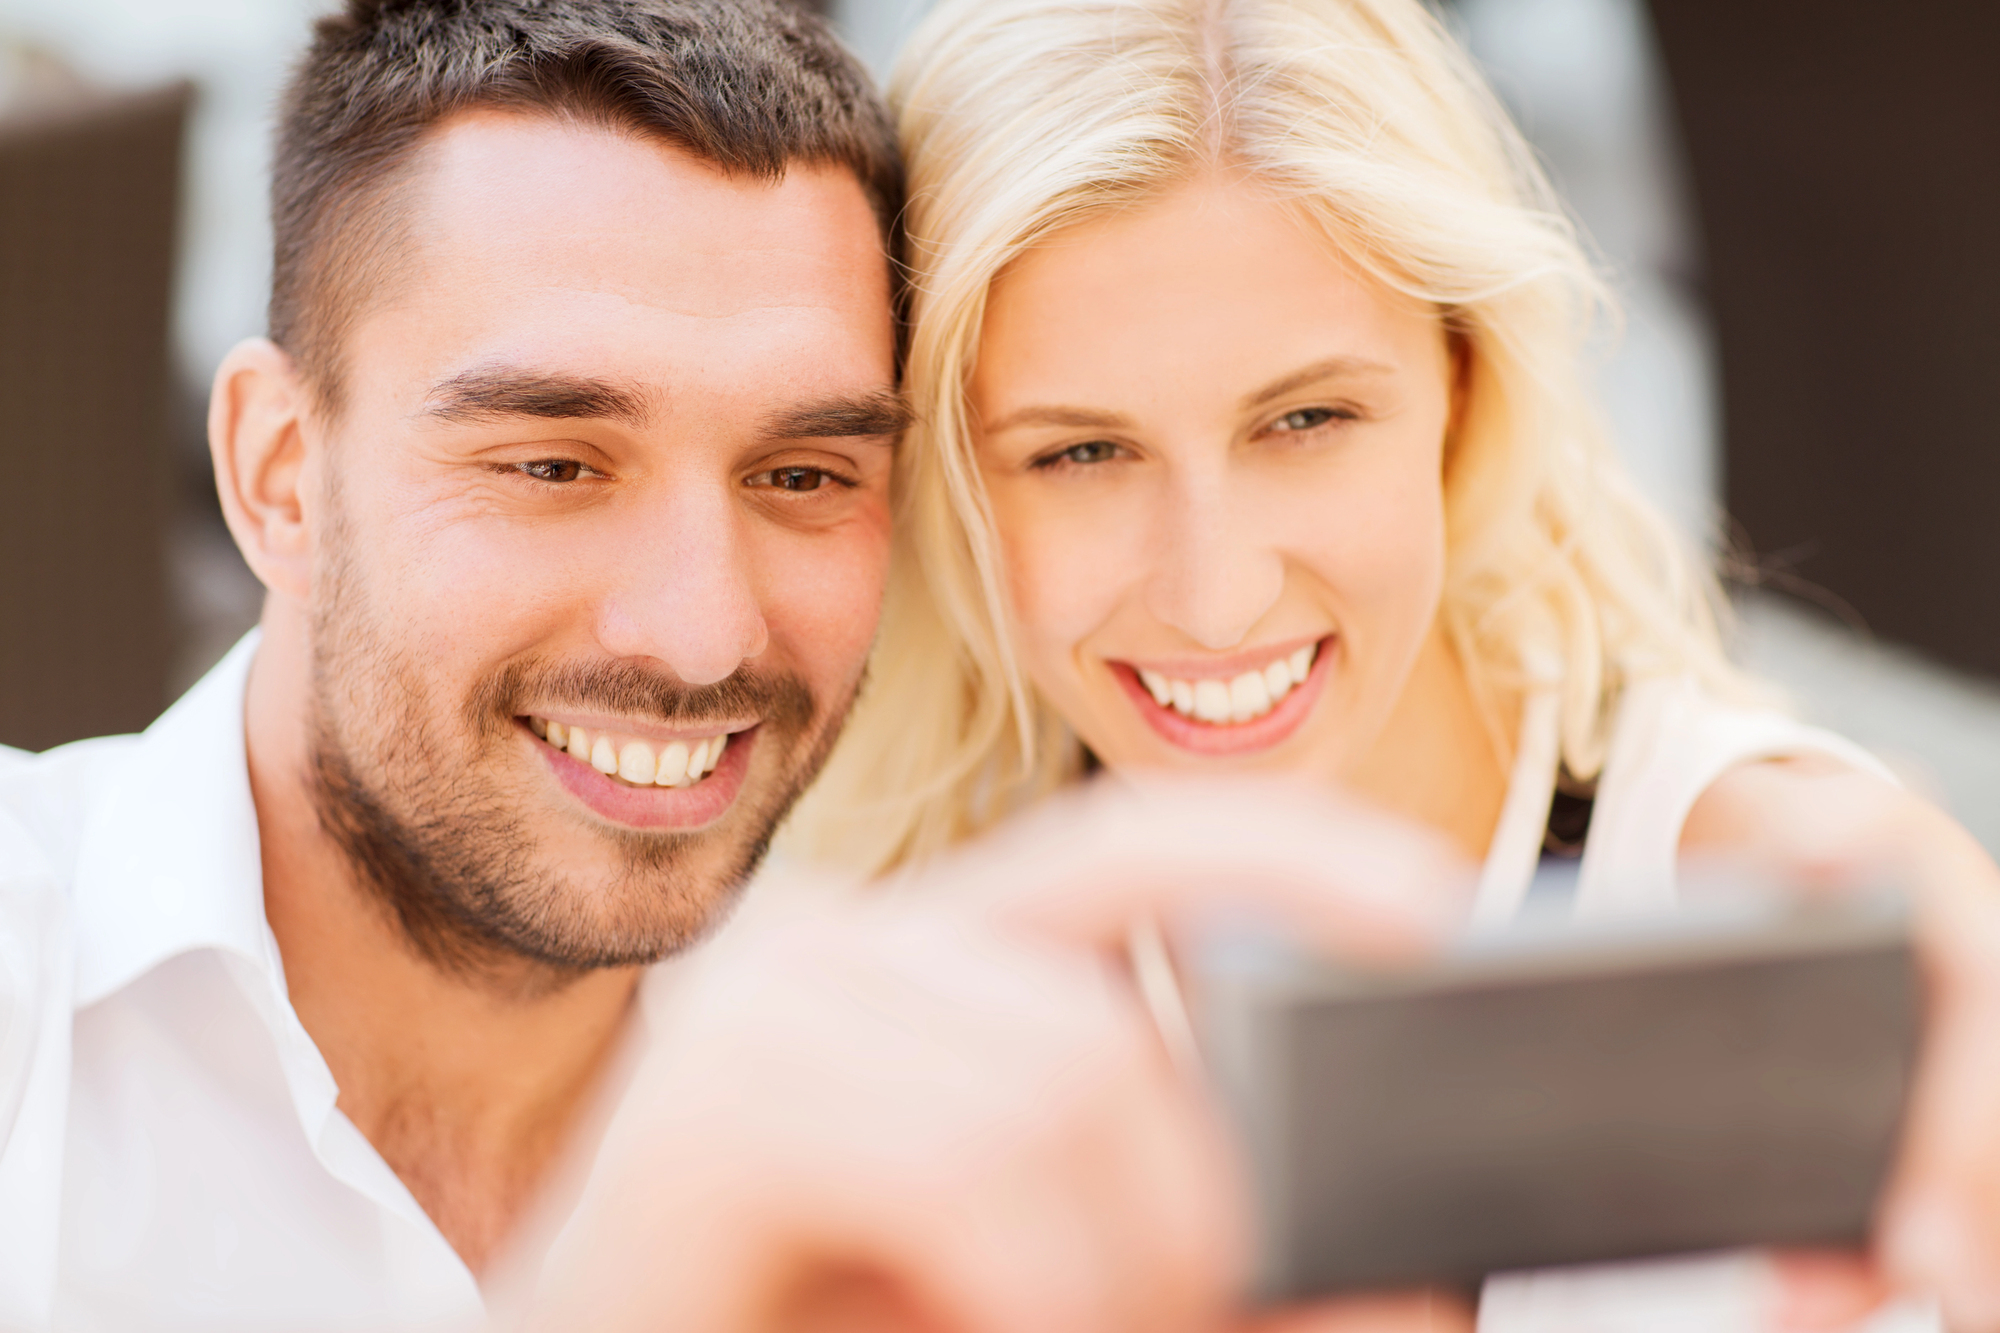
(1215, 570)
(684, 591)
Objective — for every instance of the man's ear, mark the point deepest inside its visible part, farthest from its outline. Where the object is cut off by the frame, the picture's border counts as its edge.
(257, 421)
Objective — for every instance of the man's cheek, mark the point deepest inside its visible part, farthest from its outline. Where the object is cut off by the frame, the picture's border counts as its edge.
(493, 579)
(822, 604)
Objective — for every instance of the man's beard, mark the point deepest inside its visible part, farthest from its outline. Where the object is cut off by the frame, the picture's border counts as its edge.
(415, 797)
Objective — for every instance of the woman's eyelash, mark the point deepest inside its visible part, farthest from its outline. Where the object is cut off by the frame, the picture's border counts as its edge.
(1078, 455)
(1312, 418)
(1091, 452)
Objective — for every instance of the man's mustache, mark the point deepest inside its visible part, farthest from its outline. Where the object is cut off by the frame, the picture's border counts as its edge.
(634, 690)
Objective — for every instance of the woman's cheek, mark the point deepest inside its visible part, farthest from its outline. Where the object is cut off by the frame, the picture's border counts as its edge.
(1377, 545)
(1063, 575)
(1376, 519)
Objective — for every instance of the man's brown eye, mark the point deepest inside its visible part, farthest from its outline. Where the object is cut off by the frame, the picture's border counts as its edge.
(798, 478)
(553, 469)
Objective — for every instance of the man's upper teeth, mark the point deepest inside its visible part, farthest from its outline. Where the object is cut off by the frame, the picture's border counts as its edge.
(1239, 699)
(631, 759)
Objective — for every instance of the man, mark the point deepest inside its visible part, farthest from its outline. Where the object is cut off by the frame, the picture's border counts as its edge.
(575, 426)
(566, 469)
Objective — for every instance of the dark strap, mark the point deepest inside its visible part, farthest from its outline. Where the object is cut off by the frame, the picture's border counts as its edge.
(1554, 886)
(1570, 809)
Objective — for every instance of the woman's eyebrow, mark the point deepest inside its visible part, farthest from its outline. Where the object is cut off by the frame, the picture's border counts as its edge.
(1334, 367)
(1084, 417)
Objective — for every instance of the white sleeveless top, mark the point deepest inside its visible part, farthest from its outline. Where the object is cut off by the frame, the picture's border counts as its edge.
(1669, 743)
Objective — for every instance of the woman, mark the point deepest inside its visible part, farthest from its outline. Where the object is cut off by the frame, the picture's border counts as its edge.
(1246, 343)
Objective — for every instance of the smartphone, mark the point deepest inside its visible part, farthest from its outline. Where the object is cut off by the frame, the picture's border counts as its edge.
(1568, 1094)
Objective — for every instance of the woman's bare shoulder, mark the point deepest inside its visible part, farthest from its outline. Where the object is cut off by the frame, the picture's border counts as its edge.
(1811, 805)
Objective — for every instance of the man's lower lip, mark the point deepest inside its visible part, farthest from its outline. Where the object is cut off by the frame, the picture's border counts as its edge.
(1204, 738)
(682, 808)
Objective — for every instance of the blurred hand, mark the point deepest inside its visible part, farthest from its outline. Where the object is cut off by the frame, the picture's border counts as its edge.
(944, 1109)
(1083, 868)
(1939, 1230)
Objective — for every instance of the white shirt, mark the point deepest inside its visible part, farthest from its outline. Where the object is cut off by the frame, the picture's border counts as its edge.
(173, 1158)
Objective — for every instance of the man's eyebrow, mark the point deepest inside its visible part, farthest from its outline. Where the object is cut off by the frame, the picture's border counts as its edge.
(491, 393)
(875, 414)
(1334, 367)
(1081, 418)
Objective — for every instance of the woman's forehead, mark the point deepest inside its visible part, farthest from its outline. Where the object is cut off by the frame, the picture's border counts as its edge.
(1214, 275)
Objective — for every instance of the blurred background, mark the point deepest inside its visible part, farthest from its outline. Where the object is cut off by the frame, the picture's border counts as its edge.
(1799, 200)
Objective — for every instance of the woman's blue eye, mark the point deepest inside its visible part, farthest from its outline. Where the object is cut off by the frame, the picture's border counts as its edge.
(1306, 418)
(1091, 451)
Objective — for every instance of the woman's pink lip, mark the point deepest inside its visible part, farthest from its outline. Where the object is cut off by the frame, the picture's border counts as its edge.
(683, 808)
(1238, 738)
(1223, 668)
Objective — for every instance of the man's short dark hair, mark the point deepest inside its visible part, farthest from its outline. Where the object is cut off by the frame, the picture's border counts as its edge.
(751, 86)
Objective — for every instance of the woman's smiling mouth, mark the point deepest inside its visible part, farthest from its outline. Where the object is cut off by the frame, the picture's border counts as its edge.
(1246, 703)
(1243, 698)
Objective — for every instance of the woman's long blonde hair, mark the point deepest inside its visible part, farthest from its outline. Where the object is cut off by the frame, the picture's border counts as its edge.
(1022, 117)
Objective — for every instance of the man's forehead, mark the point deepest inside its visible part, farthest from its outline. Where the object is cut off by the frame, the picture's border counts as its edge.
(583, 202)
(561, 269)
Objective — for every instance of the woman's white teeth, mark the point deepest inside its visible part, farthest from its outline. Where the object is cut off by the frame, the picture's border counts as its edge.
(639, 763)
(1241, 699)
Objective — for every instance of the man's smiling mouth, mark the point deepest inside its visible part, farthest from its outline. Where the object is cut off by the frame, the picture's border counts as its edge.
(1241, 698)
(634, 760)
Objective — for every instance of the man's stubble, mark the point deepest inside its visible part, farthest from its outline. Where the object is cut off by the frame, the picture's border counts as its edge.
(410, 787)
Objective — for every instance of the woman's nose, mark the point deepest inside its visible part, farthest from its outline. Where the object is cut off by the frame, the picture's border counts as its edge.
(1216, 571)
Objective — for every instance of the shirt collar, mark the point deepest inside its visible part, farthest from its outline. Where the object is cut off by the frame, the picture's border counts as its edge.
(170, 860)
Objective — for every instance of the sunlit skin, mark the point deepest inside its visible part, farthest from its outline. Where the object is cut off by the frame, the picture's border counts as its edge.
(692, 529)
(1208, 442)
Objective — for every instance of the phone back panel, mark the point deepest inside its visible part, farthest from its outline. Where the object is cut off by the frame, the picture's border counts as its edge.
(1439, 1131)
